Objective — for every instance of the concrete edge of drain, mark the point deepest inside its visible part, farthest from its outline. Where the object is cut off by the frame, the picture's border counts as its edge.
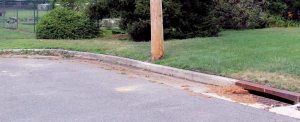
(165, 70)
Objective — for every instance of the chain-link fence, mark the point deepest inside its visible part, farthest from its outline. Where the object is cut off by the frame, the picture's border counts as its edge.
(22, 15)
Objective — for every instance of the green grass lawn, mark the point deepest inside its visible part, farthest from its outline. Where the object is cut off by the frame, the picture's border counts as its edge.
(6, 34)
(23, 13)
(269, 56)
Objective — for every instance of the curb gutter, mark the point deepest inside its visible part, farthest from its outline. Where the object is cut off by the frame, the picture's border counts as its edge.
(165, 70)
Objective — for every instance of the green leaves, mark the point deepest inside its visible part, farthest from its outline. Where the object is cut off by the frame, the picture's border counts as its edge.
(62, 23)
(182, 18)
(242, 14)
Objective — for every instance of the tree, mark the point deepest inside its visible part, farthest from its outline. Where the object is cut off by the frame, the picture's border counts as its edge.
(289, 9)
(241, 14)
(182, 18)
(276, 7)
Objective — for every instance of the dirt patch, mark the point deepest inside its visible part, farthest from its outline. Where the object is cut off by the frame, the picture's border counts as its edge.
(235, 93)
(277, 80)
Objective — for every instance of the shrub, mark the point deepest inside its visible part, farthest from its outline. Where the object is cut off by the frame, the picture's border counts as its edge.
(62, 23)
(97, 11)
(182, 18)
(278, 21)
(139, 31)
(288, 9)
(241, 14)
(276, 7)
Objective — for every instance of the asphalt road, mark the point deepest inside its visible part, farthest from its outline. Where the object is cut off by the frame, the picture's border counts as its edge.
(39, 90)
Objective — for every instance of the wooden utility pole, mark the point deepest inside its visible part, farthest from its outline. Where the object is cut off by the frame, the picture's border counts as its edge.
(157, 32)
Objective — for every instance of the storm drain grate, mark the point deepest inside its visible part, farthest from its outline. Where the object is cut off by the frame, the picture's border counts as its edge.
(270, 93)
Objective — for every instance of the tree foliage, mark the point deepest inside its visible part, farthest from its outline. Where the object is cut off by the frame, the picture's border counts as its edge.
(276, 7)
(182, 18)
(241, 14)
(289, 9)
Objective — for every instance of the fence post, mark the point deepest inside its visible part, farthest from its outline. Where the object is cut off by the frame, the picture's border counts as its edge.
(18, 16)
(4, 9)
(37, 12)
(34, 7)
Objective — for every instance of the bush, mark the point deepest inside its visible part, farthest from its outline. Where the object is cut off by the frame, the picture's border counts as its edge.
(241, 14)
(288, 9)
(139, 31)
(62, 23)
(276, 7)
(278, 21)
(182, 18)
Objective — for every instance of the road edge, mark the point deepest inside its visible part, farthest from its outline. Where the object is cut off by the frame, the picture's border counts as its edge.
(165, 70)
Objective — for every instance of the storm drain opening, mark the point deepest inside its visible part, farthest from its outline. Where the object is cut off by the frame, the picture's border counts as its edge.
(243, 95)
(270, 100)
(270, 96)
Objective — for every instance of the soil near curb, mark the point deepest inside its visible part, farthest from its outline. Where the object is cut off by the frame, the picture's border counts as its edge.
(235, 93)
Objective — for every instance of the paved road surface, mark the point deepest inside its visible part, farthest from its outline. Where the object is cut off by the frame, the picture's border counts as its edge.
(38, 90)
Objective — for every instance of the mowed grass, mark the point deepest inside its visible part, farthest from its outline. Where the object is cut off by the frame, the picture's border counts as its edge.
(269, 56)
(6, 34)
(24, 15)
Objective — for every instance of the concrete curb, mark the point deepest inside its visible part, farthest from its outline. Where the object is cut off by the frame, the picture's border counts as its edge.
(165, 70)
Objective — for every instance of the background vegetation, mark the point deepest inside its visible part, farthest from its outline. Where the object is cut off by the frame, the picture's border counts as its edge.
(187, 18)
(268, 56)
(62, 23)
(182, 18)
(241, 14)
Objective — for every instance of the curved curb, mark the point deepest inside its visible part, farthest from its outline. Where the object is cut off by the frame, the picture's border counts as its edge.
(165, 70)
